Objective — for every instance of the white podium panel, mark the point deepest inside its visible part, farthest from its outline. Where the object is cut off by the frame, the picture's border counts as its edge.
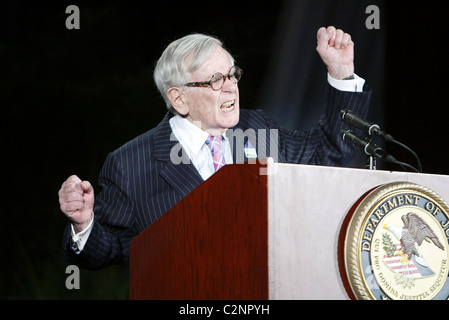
(306, 208)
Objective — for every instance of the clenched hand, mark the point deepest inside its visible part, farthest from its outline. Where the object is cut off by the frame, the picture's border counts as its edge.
(76, 199)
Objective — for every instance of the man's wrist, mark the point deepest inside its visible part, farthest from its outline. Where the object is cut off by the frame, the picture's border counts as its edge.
(80, 227)
(341, 72)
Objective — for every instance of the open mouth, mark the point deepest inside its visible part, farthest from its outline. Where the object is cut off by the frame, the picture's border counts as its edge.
(228, 106)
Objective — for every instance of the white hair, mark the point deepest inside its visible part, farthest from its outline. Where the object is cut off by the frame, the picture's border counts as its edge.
(180, 59)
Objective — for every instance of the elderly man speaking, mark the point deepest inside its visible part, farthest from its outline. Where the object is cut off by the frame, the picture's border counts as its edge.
(147, 176)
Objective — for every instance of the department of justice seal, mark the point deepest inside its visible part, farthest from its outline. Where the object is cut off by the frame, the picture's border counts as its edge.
(394, 244)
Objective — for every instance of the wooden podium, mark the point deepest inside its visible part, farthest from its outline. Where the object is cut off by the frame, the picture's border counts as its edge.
(256, 231)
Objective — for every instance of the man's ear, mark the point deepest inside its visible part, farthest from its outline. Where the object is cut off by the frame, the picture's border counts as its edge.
(177, 99)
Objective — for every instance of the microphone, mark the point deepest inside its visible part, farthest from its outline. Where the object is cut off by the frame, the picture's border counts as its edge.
(355, 120)
(368, 147)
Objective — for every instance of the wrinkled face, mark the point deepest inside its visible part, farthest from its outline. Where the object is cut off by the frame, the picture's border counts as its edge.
(213, 111)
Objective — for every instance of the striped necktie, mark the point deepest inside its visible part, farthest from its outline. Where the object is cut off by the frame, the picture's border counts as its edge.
(214, 144)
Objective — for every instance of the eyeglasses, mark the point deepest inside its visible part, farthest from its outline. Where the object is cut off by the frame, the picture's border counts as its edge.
(217, 81)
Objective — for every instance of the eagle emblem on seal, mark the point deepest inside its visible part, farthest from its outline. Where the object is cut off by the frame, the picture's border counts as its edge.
(405, 257)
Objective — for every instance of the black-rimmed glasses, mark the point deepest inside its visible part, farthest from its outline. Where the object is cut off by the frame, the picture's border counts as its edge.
(217, 81)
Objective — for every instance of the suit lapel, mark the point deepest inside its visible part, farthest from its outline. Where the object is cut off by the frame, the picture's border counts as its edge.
(177, 170)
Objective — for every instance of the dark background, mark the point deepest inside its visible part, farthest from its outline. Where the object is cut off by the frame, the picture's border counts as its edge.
(69, 97)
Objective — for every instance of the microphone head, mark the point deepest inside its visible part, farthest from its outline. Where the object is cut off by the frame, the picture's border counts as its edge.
(343, 113)
(349, 136)
(355, 120)
(344, 135)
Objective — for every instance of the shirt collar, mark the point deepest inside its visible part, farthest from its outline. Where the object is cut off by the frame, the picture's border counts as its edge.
(189, 135)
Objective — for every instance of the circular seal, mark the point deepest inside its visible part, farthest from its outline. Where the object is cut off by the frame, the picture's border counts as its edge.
(394, 244)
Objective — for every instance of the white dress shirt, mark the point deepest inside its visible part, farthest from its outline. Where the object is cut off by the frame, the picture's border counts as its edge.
(354, 85)
(193, 141)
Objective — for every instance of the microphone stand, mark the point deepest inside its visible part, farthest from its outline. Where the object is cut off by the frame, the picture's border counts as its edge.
(371, 163)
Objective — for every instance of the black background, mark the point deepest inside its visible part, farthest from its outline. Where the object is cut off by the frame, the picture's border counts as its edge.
(69, 97)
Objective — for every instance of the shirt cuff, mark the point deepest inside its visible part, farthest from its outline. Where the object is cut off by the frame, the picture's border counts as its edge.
(79, 239)
(354, 85)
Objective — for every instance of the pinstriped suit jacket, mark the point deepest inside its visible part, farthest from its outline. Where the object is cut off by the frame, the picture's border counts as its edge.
(140, 182)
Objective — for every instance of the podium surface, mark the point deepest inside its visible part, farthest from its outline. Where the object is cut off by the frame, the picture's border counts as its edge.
(256, 231)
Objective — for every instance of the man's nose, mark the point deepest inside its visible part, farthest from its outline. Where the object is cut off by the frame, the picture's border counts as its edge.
(230, 85)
